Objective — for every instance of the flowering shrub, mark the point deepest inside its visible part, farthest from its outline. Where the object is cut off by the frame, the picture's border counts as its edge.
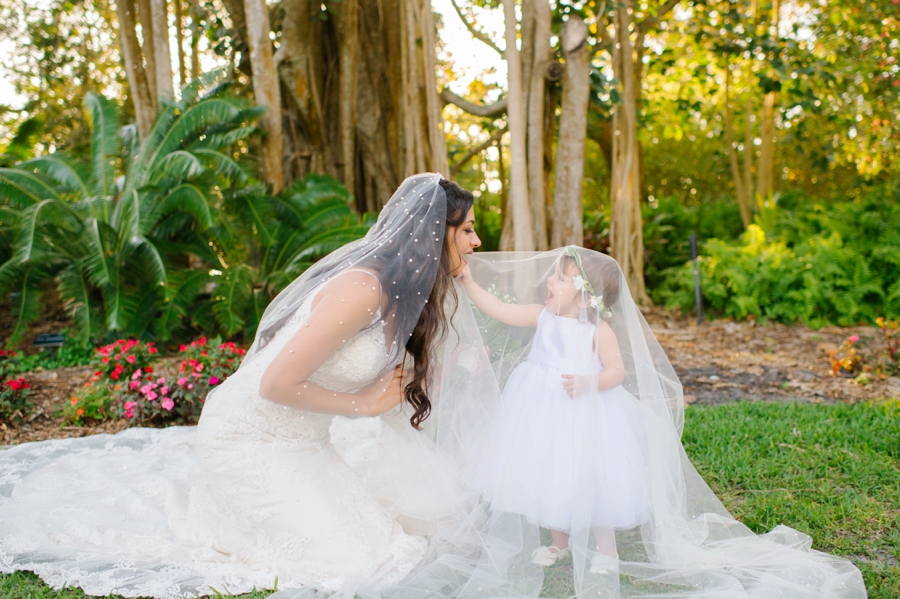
(205, 364)
(8, 361)
(119, 360)
(858, 357)
(94, 401)
(14, 399)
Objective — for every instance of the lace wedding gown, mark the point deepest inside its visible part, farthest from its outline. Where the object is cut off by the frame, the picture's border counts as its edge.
(257, 491)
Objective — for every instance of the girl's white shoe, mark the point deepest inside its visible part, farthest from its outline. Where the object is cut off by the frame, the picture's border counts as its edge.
(604, 564)
(547, 556)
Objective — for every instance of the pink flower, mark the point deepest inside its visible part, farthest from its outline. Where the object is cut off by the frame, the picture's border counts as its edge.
(129, 409)
(130, 359)
(183, 348)
(213, 380)
(152, 395)
(853, 338)
(190, 386)
(137, 374)
(134, 385)
(182, 381)
(167, 403)
(164, 391)
(161, 380)
(145, 389)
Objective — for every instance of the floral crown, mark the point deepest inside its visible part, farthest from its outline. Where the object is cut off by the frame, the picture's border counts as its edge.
(583, 285)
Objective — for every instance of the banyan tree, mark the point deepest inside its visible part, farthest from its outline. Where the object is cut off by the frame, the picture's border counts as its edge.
(356, 92)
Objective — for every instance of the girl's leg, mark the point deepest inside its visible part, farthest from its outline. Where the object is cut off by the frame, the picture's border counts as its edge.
(606, 541)
(560, 539)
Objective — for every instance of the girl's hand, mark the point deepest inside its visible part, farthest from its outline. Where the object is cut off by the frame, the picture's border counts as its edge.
(576, 385)
(465, 275)
(387, 392)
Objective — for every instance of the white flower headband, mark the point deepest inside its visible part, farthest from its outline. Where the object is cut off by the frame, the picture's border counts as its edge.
(583, 285)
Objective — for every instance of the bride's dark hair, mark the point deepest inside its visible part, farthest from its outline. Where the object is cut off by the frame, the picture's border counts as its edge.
(432, 324)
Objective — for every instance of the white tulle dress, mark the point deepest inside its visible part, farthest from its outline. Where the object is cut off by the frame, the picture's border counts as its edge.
(256, 491)
(546, 446)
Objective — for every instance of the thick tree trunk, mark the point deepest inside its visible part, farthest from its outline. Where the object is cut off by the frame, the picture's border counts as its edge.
(160, 16)
(195, 39)
(626, 226)
(390, 126)
(523, 231)
(145, 12)
(179, 41)
(541, 56)
(266, 90)
(506, 227)
(348, 52)
(134, 69)
(568, 225)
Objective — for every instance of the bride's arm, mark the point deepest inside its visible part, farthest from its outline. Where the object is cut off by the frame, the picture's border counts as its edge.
(342, 308)
(517, 315)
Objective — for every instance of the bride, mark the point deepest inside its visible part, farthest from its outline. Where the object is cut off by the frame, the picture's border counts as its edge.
(342, 457)
(264, 489)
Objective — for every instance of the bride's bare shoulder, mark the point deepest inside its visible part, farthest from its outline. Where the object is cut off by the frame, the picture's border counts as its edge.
(355, 287)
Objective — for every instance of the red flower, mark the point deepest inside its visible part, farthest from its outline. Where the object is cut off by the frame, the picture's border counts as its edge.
(130, 359)
(202, 340)
(13, 384)
(183, 348)
(152, 350)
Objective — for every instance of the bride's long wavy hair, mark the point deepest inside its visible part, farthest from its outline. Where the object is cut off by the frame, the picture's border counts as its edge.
(429, 325)
(432, 324)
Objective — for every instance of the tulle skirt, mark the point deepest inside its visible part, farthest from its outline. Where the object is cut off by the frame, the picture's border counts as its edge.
(557, 460)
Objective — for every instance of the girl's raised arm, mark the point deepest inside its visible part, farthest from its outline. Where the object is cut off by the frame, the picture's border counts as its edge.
(517, 315)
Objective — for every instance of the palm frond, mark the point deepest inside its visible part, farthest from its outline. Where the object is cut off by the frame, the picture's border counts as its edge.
(24, 188)
(231, 298)
(179, 165)
(126, 218)
(26, 303)
(75, 291)
(103, 117)
(223, 139)
(65, 173)
(183, 289)
(223, 165)
(193, 119)
(148, 256)
(190, 199)
(31, 236)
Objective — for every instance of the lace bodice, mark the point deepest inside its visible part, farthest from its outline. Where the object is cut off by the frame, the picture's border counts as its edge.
(237, 401)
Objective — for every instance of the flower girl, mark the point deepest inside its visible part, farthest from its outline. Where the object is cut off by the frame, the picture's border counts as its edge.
(567, 447)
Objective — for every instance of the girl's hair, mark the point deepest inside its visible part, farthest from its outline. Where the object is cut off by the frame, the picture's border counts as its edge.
(432, 324)
(602, 273)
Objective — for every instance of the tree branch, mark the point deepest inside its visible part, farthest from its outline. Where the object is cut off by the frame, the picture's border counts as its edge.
(475, 33)
(488, 110)
(651, 22)
(473, 153)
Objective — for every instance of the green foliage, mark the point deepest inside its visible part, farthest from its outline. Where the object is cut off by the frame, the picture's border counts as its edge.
(839, 264)
(829, 471)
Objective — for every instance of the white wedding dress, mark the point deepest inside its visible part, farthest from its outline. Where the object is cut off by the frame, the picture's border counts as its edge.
(257, 491)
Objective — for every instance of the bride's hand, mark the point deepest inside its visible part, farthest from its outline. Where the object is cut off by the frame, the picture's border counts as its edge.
(384, 397)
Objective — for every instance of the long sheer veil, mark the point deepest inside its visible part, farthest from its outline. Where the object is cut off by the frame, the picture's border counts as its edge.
(684, 542)
(402, 248)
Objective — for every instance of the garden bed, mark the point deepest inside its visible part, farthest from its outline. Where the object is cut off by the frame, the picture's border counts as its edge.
(718, 362)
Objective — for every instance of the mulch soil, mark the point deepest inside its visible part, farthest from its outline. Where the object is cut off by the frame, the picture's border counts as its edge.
(717, 361)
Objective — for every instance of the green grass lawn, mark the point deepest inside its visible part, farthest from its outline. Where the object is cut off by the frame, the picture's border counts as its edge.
(831, 471)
